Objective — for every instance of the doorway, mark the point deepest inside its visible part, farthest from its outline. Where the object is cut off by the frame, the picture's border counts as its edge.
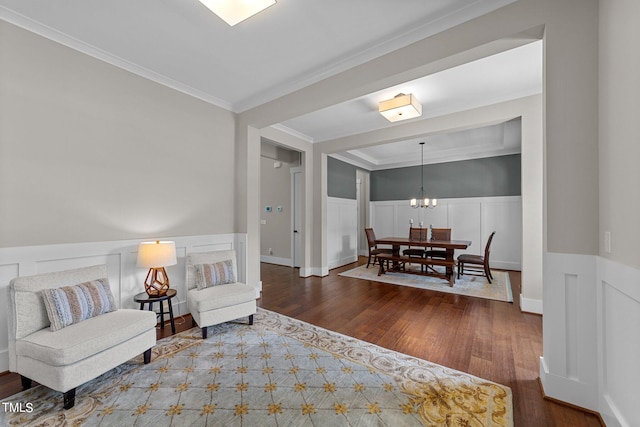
(296, 217)
(280, 181)
(362, 203)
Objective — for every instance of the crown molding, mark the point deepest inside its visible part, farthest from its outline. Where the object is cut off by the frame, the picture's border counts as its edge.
(292, 132)
(54, 35)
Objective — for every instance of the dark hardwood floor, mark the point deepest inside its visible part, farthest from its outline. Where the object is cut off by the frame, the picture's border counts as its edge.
(489, 339)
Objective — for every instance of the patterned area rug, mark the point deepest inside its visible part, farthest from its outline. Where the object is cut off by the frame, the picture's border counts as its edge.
(278, 372)
(474, 286)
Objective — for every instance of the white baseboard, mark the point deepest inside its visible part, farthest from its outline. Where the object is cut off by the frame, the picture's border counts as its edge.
(318, 271)
(506, 265)
(314, 271)
(566, 389)
(343, 261)
(288, 262)
(306, 272)
(611, 414)
(529, 305)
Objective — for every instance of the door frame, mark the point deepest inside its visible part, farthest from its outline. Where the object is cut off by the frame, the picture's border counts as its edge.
(296, 210)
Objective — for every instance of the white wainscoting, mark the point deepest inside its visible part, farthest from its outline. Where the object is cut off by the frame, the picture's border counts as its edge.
(591, 344)
(469, 219)
(342, 231)
(568, 369)
(618, 308)
(125, 278)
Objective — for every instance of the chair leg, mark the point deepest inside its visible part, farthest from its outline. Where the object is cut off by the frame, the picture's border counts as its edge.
(69, 398)
(487, 273)
(251, 319)
(26, 382)
(460, 267)
(369, 261)
(204, 333)
(147, 357)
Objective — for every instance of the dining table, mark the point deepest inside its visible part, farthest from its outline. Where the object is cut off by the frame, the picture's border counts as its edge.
(449, 247)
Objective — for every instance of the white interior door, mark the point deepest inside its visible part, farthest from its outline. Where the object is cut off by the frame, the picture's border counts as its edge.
(296, 238)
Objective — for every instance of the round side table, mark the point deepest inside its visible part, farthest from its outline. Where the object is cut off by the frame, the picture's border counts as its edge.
(144, 298)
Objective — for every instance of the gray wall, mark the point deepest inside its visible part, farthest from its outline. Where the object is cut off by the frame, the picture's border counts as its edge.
(90, 152)
(341, 179)
(275, 190)
(487, 177)
(619, 150)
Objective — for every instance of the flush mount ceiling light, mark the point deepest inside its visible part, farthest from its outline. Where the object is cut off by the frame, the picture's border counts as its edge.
(234, 11)
(400, 107)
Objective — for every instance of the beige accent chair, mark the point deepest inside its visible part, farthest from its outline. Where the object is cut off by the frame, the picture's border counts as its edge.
(221, 303)
(69, 357)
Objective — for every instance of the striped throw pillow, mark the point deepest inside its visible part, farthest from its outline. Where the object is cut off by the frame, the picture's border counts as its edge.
(73, 304)
(219, 273)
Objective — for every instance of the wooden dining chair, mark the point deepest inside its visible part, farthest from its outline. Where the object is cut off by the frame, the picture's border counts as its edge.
(438, 234)
(374, 250)
(479, 264)
(416, 235)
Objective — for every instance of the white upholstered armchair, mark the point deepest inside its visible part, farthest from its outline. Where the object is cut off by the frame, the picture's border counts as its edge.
(214, 294)
(64, 338)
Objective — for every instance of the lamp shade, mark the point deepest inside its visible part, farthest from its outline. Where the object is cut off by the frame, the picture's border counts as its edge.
(401, 107)
(156, 254)
(235, 11)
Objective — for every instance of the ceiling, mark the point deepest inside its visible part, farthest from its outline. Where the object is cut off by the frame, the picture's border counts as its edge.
(495, 140)
(294, 43)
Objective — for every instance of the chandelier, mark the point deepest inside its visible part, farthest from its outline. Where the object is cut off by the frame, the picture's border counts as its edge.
(422, 202)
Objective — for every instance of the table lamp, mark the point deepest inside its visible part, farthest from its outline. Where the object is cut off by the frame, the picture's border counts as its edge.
(156, 256)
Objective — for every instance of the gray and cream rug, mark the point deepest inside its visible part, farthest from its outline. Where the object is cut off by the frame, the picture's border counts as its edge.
(475, 286)
(278, 372)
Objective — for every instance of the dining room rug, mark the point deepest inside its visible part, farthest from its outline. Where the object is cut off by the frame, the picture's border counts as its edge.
(278, 372)
(475, 286)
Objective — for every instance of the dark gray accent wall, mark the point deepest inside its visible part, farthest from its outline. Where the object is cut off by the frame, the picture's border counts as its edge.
(341, 179)
(487, 177)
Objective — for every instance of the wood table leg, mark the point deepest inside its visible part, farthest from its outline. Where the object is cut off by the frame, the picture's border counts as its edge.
(173, 324)
(396, 252)
(381, 270)
(449, 257)
(161, 315)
